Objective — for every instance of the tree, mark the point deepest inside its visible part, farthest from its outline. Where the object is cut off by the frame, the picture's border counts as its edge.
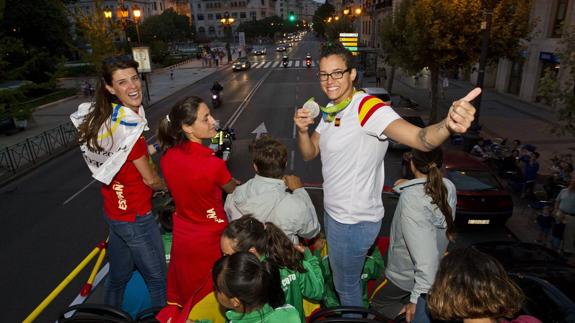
(93, 29)
(25, 21)
(335, 27)
(320, 16)
(444, 35)
(559, 90)
(167, 27)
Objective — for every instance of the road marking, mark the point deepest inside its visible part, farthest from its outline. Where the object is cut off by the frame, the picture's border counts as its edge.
(276, 64)
(294, 126)
(92, 182)
(232, 120)
(99, 277)
(297, 64)
(290, 63)
(267, 64)
(291, 160)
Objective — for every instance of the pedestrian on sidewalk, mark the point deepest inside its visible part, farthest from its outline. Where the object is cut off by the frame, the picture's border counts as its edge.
(530, 172)
(565, 204)
(544, 223)
(172, 73)
(444, 86)
(557, 231)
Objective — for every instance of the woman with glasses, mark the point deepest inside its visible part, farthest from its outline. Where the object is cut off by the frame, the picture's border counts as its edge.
(110, 134)
(352, 139)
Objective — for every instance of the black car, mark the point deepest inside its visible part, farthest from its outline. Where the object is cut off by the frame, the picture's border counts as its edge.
(545, 277)
(241, 64)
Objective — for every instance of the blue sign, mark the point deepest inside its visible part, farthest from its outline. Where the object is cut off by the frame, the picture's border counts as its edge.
(549, 57)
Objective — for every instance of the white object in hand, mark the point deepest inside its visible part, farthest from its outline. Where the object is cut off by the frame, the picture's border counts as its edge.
(312, 107)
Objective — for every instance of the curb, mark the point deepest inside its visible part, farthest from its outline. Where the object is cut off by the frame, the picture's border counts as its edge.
(38, 108)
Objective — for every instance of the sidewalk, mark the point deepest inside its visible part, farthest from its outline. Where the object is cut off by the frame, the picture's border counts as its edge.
(504, 116)
(161, 86)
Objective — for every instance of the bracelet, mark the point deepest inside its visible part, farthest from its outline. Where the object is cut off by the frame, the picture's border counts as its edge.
(156, 147)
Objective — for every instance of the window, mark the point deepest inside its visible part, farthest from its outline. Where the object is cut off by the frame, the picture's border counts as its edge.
(211, 30)
(263, 2)
(263, 14)
(559, 18)
(218, 16)
(253, 14)
(210, 16)
(155, 6)
(200, 17)
(242, 15)
(234, 14)
(202, 30)
(199, 6)
(162, 6)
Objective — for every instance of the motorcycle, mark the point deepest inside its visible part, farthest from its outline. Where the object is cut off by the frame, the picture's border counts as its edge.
(285, 61)
(308, 62)
(221, 143)
(216, 99)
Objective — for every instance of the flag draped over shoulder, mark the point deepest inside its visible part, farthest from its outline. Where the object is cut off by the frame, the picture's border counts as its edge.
(116, 137)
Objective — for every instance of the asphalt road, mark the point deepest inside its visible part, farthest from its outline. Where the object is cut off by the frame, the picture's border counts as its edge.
(51, 218)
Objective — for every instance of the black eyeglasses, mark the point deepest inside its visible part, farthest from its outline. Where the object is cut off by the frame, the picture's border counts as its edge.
(334, 75)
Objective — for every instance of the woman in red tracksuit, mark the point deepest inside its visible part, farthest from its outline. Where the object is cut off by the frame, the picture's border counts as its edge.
(195, 178)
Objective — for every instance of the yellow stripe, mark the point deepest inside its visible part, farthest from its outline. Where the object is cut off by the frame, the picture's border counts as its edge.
(342, 39)
(207, 309)
(114, 126)
(370, 103)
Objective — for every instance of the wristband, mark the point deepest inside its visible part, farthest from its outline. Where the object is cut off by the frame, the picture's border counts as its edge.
(156, 147)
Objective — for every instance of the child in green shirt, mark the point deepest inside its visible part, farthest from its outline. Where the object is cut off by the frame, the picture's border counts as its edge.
(300, 272)
(251, 290)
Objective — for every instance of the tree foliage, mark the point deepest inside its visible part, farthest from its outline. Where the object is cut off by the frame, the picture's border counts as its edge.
(320, 16)
(445, 35)
(167, 27)
(34, 39)
(268, 27)
(334, 28)
(560, 91)
(93, 28)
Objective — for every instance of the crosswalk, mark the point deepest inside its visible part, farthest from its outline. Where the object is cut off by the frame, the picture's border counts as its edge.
(278, 64)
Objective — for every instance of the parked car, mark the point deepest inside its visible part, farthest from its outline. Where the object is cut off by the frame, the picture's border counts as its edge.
(545, 277)
(378, 92)
(481, 198)
(281, 48)
(241, 64)
(412, 116)
(259, 51)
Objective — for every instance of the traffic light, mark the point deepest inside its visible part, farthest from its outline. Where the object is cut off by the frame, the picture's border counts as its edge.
(291, 16)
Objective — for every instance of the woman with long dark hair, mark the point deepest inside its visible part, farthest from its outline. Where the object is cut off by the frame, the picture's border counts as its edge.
(196, 179)
(110, 135)
(421, 229)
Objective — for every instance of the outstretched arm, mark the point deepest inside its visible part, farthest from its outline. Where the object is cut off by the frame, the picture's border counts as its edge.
(458, 120)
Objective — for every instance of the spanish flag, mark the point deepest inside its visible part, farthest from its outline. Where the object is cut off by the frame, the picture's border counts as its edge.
(367, 107)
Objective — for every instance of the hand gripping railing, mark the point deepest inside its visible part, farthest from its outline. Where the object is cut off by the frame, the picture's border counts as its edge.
(100, 250)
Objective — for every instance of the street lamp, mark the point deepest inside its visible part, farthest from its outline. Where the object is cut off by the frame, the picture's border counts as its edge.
(108, 13)
(137, 16)
(227, 21)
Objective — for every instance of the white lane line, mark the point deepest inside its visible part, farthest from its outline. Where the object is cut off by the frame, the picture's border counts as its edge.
(99, 277)
(258, 65)
(267, 64)
(291, 160)
(290, 63)
(92, 182)
(245, 102)
(294, 126)
(296, 63)
(276, 64)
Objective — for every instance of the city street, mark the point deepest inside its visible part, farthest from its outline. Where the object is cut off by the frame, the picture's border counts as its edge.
(52, 216)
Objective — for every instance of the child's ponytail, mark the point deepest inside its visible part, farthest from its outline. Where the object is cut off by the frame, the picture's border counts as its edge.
(281, 249)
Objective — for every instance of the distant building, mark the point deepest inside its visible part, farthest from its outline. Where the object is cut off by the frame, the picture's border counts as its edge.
(148, 7)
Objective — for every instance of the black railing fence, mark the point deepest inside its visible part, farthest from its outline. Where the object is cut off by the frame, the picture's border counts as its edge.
(34, 150)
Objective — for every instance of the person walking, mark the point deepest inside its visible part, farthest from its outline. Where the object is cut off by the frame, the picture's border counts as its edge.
(110, 136)
(421, 229)
(351, 138)
(565, 205)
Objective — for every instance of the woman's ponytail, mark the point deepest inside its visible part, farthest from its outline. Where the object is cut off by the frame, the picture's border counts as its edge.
(170, 132)
(429, 163)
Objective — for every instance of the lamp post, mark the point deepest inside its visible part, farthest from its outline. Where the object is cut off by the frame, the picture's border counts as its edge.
(137, 17)
(227, 21)
(473, 133)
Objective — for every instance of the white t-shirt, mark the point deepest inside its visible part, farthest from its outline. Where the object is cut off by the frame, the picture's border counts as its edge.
(352, 149)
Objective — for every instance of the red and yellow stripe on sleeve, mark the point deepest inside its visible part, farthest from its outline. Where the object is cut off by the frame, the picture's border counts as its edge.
(367, 107)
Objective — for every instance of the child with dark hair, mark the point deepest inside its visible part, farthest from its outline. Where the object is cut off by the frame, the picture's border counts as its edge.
(474, 287)
(272, 196)
(300, 272)
(251, 290)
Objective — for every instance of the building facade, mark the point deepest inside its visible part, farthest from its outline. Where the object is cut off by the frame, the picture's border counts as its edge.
(521, 76)
(206, 14)
(147, 7)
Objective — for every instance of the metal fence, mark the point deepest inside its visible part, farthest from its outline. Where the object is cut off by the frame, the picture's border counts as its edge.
(34, 150)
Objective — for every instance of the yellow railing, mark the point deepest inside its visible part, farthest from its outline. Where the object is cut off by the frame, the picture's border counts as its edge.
(99, 249)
